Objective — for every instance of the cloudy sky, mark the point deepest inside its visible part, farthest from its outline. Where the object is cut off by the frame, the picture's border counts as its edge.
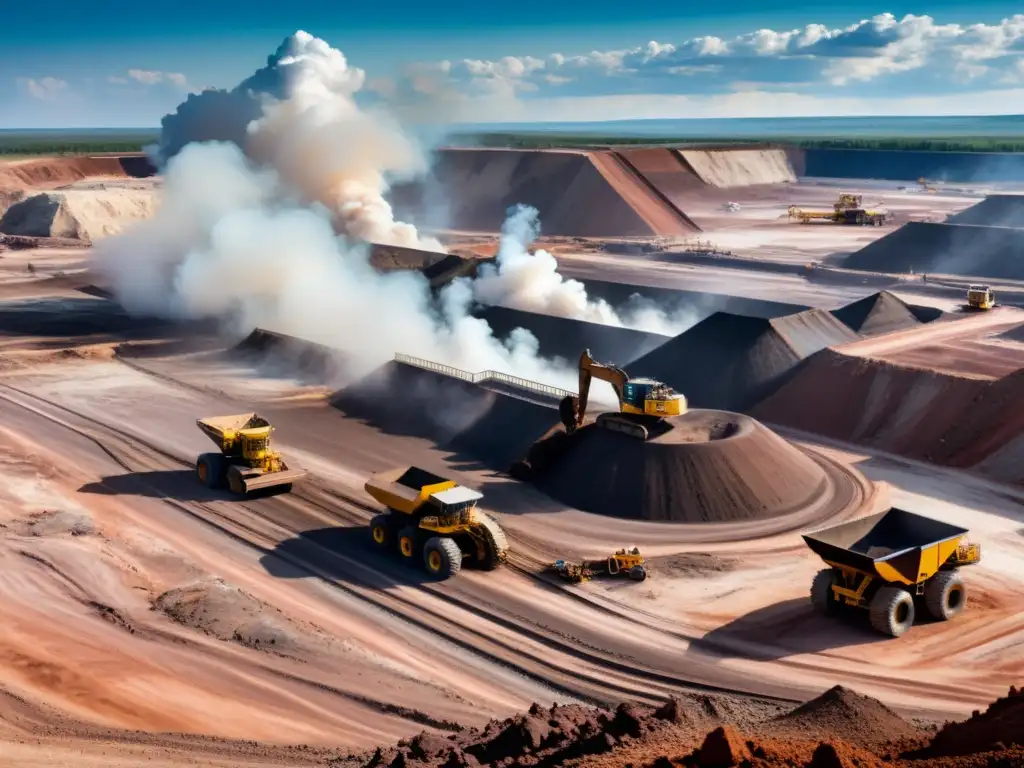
(115, 64)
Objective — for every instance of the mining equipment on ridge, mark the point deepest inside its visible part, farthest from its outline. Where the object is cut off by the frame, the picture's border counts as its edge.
(980, 298)
(623, 563)
(434, 522)
(247, 461)
(887, 562)
(643, 402)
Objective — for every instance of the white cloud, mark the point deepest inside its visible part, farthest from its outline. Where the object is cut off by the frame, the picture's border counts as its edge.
(151, 77)
(43, 88)
(878, 58)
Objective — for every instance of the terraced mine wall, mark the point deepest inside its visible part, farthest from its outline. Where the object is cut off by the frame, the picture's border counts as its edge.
(893, 165)
(922, 414)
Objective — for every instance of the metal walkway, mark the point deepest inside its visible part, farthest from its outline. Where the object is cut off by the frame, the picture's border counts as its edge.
(500, 382)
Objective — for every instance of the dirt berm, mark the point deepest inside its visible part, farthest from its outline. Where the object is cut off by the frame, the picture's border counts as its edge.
(289, 353)
(951, 420)
(729, 362)
(488, 427)
(50, 172)
(706, 466)
(951, 249)
(566, 338)
(993, 211)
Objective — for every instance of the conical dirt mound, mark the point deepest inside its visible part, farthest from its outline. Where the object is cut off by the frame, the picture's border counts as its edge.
(847, 715)
(876, 314)
(709, 466)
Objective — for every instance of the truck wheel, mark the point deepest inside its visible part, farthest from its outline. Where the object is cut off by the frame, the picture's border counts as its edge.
(210, 469)
(235, 484)
(945, 595)
(407, 543)
(638, 573)
(380, 531)
(821, 591)
(892, 611)
(442, 557)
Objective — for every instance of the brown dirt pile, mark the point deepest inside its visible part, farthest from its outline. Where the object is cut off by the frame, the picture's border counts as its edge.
(847, 715)
(77, 214)
(289, 354)
(993, 211)
(952, 249)
(920, 414)
(51, 172)
(576, 193)
(708, 466)
(876, 314)
(740, 167)
(999, 727)
(695, 732)
(730, 362)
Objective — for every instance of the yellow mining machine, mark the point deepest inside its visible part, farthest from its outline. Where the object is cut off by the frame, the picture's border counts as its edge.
(627, 563)
(979, 298)
(848, 209)
(434, 522)
(925, 186)
(884, 562)
(642, 402)
(246, 461)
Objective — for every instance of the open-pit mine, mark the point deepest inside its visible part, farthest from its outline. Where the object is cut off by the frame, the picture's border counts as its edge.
(790, 375)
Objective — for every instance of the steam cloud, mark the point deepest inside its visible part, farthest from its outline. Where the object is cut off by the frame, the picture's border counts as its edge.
(531, 282)
(272, 191)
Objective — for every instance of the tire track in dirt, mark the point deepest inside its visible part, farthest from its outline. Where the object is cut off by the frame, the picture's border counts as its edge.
(594, 676)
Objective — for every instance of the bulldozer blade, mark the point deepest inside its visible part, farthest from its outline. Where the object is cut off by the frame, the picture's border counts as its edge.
(271, 479)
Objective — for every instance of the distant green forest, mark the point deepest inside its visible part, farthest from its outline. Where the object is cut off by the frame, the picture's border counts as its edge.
(69, 143)
(543, 140)
(21, 143)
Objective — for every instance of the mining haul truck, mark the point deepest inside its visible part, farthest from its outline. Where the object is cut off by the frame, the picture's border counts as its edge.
(889, 564)
(247, 460)
(434, 522)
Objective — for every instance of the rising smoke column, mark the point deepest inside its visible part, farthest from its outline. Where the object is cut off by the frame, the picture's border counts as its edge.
(531, 282)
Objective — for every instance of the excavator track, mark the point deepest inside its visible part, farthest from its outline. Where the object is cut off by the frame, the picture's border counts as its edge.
(617, 423)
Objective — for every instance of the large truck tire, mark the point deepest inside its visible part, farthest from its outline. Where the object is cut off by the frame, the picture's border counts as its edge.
(407, 539)
(210, 469)
(442, 557)
(892, 611)
(822, 598)
(945, 595)
(381, 531)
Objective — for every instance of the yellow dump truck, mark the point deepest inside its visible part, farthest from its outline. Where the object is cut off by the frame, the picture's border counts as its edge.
(979, 298)
(246, 461)
(434, 522)
(883, 562)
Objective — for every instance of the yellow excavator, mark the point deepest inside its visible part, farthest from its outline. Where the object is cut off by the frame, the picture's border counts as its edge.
(641, 401)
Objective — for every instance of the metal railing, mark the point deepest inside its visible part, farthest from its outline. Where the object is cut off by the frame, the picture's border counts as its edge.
(483, 376)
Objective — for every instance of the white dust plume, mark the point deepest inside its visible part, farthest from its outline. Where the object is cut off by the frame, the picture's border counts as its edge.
(231, 241)
(299, 116)
(531, 282)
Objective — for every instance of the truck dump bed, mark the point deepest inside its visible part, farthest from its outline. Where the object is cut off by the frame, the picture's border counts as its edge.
(406, 488)
(895, 546)
(216, 427)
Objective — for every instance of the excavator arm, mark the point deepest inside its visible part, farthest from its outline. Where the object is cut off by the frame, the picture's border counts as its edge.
(589, 370)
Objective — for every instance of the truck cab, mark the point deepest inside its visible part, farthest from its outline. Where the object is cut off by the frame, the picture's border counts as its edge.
(980, 297)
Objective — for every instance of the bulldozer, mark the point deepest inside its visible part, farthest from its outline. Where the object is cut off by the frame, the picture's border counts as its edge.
(888, 564)
(979, 298)
(640, 400)
(629, 563)
(434, 522)
(247, 460)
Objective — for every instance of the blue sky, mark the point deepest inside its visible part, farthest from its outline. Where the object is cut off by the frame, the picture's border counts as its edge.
(115, 64)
